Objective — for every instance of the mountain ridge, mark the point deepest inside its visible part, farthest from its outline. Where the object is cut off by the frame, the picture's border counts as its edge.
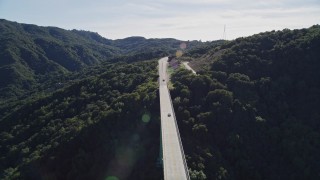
(27, 51)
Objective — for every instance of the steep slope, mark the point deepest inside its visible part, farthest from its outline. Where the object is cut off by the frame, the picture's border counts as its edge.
(254, 113)
(27, 51)
(200, 57)
(98, 126)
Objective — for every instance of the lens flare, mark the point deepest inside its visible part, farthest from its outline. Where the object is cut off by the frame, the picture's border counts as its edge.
(183, 45)
(146, 117)
(179, 53)
(136, 137)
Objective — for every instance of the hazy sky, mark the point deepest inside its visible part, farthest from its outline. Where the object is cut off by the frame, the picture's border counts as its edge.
(181, 19)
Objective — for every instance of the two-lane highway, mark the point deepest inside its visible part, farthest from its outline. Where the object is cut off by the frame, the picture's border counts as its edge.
(174, 164)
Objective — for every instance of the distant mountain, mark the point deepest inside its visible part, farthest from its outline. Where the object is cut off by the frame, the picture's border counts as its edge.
(29, 51)
(140, 44)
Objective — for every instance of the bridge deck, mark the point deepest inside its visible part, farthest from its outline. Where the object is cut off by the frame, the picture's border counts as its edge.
(174, 164)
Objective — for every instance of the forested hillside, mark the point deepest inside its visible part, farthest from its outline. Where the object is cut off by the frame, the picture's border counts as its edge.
(101, 126)
(30, 53)
(75, 105)
(254, 114)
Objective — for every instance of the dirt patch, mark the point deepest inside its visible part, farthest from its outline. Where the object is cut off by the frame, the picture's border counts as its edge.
(205, 61)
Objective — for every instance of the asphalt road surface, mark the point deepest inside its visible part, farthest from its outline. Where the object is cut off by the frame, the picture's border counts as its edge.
(174, 164)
